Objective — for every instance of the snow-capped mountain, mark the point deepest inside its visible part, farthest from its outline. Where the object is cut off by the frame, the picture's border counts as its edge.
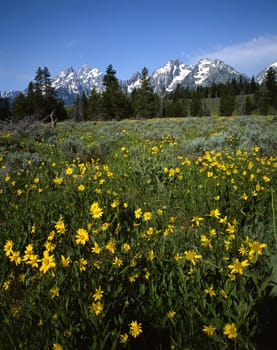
(132, 83)
(70, 83)
(207, 72)
(170, 75)
(261, 76)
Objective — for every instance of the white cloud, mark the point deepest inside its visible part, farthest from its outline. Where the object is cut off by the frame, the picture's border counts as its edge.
(249, 57)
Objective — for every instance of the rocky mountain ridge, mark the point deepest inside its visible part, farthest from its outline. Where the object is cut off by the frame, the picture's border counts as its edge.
(70, 83)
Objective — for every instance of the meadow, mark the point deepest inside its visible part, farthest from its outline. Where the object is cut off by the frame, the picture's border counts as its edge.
(138, 234)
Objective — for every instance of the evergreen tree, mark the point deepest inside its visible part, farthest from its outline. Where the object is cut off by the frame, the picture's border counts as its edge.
(79, 112)
(249, 106)
(196, 109)
(254, 86)
(145, 102)
(271, 87)
(31, 99)
(94, 105)
(113, 100)
(44, 98)
(227, 101)
(4, 108)
(20, 107)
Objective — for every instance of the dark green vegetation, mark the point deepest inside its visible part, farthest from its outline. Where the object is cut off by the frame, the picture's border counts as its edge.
(237, 97)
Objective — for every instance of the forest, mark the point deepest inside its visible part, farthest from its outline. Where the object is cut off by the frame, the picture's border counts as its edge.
(236, 97)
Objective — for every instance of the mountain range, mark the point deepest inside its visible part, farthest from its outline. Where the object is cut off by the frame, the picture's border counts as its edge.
(70, 83)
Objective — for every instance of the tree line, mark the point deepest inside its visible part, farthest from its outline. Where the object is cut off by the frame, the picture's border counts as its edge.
(242, 96)
(39, 101)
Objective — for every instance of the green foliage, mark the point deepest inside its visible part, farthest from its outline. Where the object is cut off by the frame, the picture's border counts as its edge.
(227, 101)
(113, 100)
(144, 101)
(119, 235)
(40, 100)
(4, 108)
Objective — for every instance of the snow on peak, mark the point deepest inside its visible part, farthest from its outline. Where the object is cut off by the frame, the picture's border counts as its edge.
(261, 76)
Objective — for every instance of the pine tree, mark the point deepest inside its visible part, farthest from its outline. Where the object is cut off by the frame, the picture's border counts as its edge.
(94, 105)
(227, 101)
(196, 109)
(30, 99)
(271, 87)
(44, 96)
(79, 112)
(144, 101)
(113, 99)
(4, 108)
(20, 107)
(248, 107)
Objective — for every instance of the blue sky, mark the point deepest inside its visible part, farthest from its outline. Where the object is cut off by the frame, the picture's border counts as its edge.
(131, 34)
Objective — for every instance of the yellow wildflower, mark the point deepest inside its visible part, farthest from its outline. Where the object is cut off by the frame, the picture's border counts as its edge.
(210, 291)
(242, 250)
(96, 308)
(81, 188)
(60, 226)
(215, 213)
(117, 261)
(47, 262)
(138, 213)
(192, 256)
(6, 285)
(96, 211)
(147, 216)
(8, 247)
(266, 178)
(65, 261)
(223, 220)
(49, 246)
(171, 314)
(96, 249)
(123, 338)
(57, 346)
(256, 248)
(55, 292)
(28, 252)
(195, 221)
(206, 242)
(133, 278)
(230, 330)
(69, 171)
(104, 226)
(126, 247)
(209, 330)
(15, 257)
(147, 274)
(81, 236)
(238, 266)
(33, 260)
(151, 255)
(135, 328)
(110, 246)
(83, 264)
(58, 180)
(98, 295)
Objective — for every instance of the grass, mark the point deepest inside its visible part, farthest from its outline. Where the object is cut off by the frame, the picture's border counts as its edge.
(153, 234)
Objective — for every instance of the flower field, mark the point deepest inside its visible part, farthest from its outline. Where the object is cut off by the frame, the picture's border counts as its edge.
(152, 234)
